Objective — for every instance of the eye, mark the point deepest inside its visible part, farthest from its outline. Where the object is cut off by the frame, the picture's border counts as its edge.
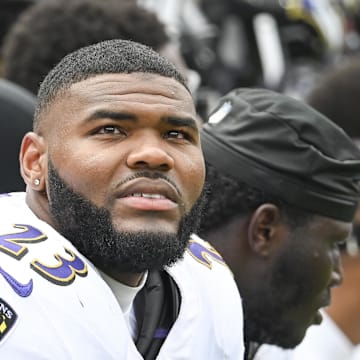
(175, 134)
(109, 129)
(179, 135)
(110, 132)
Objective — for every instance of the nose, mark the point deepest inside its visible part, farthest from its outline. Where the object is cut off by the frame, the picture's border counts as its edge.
(150, 153)
(337, 274)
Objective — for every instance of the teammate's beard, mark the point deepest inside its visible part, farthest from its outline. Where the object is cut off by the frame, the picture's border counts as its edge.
(91, 231)
(266, 317)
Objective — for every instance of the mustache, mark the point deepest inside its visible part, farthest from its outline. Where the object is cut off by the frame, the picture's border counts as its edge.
(151, 175)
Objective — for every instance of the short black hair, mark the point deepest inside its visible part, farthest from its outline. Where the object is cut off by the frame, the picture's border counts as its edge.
(229, 198)
(49, 30)
(106, 57)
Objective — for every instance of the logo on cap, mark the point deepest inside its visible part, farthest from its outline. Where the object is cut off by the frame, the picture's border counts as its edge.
(220, 113)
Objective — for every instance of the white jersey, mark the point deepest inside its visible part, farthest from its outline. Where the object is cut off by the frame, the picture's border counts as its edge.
(55, 305)
(322, 342)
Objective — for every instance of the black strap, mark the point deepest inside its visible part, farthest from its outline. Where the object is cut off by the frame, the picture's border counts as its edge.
(156, 307)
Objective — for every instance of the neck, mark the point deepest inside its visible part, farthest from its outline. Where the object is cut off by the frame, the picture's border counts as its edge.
(129, 279)
(39, 205)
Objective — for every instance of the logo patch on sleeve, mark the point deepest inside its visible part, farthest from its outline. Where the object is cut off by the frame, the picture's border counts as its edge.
(8, 318)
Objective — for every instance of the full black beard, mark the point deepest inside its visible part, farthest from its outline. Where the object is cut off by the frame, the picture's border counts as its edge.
(90, 230)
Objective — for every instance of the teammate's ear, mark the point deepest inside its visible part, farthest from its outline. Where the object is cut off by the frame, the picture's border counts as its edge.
(263, 229)
(33, 161)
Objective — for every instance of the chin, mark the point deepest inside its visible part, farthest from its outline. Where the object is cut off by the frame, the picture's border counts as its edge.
(150, 226)
(286, 336)
(291, 340)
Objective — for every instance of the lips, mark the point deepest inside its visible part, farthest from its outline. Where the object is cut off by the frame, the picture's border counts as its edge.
(149, 196)
(154, 189)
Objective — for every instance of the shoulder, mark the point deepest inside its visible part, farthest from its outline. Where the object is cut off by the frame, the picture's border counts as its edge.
(47, 284)
(32, 250)
(209, 300)
(202, 267)
(204, 253)
(204, 262)
(10, 202)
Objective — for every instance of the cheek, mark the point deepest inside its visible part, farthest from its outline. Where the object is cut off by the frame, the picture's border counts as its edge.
(321, 260)
(306, 271)
(319, 265)
(191, 173)
(88, 174)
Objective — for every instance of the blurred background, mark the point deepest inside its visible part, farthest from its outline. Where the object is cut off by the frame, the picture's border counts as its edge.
(284, 45)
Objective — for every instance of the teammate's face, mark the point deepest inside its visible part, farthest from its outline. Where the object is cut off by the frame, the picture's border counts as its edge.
(281, 306)
(129, 144)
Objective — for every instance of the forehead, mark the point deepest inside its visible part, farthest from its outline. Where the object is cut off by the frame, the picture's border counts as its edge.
(135, 87)
(141, 93)
(137, 79)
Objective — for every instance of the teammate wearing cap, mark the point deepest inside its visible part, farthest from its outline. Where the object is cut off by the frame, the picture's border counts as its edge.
(338, 336)
(284, 190)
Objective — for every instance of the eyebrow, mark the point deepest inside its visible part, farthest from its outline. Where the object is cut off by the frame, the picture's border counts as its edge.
(172, 120)
(106, 114)
(180, 121)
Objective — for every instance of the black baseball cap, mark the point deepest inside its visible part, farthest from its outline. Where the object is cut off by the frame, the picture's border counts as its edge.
(277, 143)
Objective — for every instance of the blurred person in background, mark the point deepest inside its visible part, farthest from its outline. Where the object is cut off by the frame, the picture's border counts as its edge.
(49, 30)
(17, 107)
(279, 45)
(184, 22)
(10, 11)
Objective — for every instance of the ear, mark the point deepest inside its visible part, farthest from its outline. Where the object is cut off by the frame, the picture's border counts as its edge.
(33, 161)
(264, 229)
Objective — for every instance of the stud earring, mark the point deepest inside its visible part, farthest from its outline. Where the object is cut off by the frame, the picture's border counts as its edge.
(37, 182)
